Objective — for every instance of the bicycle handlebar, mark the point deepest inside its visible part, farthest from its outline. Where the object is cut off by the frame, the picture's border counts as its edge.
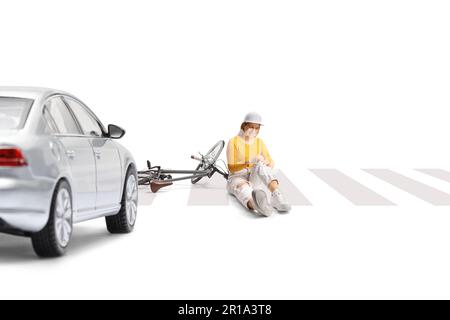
(196, 158)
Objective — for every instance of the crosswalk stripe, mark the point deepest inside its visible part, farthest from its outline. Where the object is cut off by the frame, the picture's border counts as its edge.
(351, 189)
(293, 195)
(207, 193)
(437, 173)
(146, 196)
(414, 187)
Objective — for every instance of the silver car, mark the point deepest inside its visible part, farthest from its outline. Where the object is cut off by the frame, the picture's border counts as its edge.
(59, 166)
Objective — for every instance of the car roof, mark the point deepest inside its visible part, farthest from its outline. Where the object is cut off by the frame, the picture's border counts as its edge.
(38, 95)
(28, 92)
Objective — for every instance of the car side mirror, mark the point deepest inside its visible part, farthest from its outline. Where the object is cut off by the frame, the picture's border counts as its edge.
(115, 132)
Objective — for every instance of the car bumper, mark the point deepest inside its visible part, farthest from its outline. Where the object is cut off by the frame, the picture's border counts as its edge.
(24, 204)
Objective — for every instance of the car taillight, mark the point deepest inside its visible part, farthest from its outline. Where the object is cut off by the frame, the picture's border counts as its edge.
(12, 157)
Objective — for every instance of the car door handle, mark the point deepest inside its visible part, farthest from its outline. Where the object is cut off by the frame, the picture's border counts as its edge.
(98, 154)
(70, 154)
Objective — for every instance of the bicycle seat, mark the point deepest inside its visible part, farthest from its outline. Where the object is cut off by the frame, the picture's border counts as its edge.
(157, 184)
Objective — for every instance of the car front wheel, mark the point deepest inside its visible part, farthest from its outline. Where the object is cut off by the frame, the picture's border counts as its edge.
(123, 222)
(54, 238)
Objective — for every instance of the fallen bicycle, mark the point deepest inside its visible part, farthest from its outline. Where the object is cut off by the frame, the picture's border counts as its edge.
(158, 178)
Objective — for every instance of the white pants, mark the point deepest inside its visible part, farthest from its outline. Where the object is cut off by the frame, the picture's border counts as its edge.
(241, 183)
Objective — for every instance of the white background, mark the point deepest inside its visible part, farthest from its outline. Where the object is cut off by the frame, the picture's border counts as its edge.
(340, 84)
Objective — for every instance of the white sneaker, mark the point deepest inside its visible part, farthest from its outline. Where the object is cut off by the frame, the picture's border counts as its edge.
(261, 202)
(278, 202)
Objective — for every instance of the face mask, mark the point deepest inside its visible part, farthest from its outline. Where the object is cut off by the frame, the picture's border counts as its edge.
(251, 133)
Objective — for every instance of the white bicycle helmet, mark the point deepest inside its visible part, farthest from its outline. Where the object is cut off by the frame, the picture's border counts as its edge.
(253, 117)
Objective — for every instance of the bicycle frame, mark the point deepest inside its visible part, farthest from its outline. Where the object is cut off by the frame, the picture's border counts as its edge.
(193, 174)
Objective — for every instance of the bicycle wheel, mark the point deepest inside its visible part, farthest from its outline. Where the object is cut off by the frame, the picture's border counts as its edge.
(209, 159)
(143, 181)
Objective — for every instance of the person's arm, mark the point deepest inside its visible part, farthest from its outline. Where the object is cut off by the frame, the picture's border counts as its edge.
(265, 153)
(231, 149)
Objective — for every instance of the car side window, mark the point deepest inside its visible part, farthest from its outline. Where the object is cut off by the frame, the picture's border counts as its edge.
(62, 117)
(88, 124)
(49, 123)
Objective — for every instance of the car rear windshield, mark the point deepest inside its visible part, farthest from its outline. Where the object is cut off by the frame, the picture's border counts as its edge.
(14, 112)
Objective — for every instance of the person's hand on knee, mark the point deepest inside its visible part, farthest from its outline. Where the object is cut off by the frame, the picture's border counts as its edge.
(264, 161)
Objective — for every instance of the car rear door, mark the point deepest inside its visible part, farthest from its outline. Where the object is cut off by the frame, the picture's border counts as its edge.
(79, 153)
(107, 157)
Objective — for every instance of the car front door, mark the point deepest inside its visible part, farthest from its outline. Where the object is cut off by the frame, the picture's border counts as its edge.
(107, 158)
(79, 154)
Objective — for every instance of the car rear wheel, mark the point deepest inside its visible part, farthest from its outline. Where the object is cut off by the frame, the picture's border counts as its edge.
(123, 222)
(54, 238)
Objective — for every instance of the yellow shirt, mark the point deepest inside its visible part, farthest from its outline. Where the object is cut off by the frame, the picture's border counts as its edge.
(242, 155)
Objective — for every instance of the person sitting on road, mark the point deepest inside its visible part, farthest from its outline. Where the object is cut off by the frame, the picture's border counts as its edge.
(250, 163)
